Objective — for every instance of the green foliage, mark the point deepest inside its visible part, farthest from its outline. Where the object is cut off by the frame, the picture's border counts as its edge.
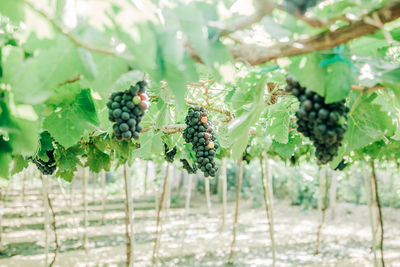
(54, 84)
(69, 122)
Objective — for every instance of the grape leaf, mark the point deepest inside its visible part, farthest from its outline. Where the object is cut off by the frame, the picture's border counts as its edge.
(286, 150)
(5, 160)
(127, 79)
(67, 160)
(338, 83)
(12, 9)
(46, 143)
(367, 124)
(19, 163)
(278, 122)
(308, 72)
(178, 68)
(109, 69)
(27, 90)
(239, 127)
(150, 143)
(97, 160)
(21, 141)
(68, 123)
(193, 20)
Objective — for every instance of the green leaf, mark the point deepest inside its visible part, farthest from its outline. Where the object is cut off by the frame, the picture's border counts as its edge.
(143, 45)
(88, 64)
(339, 81)
(19, 164)
(194, 20)
(127, 79)
(150, 142)
(308, 72)
(60, 63)
(45, 143)
(367, 124)
(278, 122)
(67, 160)
(97, 160)
(29, 89)
(109, 69)
(24, 140)
(239, 127)
(163, 114)
(68, 123)
(286, 150)
(178, 68)
(367, 46)
(5, 160)
(13, 9)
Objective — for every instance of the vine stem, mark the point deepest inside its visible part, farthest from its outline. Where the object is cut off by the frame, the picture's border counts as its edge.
(54, 229)
(368, 193)
(2, 200)
(85, 221)
(187, 210)
(378, 202)
(68, 35)
(75, 222)
(236, 218)
(159, 209)
(46, 217)
(207, 193)
(222, 178)
(265, 182)
(128, 218)
(323, 208)
(104, 194)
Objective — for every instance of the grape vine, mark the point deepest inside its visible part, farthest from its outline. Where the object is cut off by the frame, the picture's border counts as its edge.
(126, 110)
(200, 133)
(325, 124)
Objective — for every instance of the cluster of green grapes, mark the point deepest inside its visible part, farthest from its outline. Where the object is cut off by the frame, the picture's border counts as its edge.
(126, 110)
(187, 167)
(324, 124)
(46, 167)
(169, 153)
(200, 133)
(301, 6)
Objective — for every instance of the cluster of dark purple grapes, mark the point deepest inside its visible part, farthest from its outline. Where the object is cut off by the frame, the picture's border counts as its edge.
(169, 153)
(187, 167)
(246, 155)
(126, 110)
(46, 167)
(324, 124)
(200, 133)
(301, 6)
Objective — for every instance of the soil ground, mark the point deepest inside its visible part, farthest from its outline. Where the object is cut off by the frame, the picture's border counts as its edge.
(196, 241)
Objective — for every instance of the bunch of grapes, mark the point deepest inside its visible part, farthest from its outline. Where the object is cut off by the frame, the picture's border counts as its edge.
(46, 167)
(301, 6)
(187, 167)
(324, 124)
(200, 133)
(169, 153)
(246, 155)
(126, 110)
